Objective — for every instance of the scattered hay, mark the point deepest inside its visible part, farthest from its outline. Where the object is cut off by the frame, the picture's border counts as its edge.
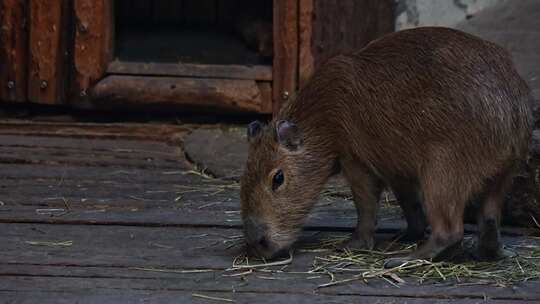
(347, 266)
(208, 189)
(165, 270)
(365, 265)
(50, 244)
(242, 263)
(198, 295)
(535, 221)
(202, 173)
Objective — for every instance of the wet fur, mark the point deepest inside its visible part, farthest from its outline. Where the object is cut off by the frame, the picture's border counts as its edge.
(440, 116)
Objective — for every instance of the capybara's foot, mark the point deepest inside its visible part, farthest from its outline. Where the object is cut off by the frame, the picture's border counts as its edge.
(434, 248)
(494, 255)
(359, 243)
(489, 247)
(408, 236)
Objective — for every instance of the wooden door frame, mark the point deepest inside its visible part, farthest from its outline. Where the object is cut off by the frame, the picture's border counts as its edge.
(51, 79)
(47, 55)
(13, 50)
(97, 78)
(285, 62)
(93, 46)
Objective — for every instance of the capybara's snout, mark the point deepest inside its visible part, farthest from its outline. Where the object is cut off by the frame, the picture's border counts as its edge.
(259, 240)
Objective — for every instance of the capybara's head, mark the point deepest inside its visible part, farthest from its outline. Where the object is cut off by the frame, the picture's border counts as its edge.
(266, 44)
(280, 185)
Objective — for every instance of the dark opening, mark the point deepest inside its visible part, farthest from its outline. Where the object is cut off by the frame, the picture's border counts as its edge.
(194, 31)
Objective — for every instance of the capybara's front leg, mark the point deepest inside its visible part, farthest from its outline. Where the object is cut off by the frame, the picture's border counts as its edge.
(366, 190)
(413, 211)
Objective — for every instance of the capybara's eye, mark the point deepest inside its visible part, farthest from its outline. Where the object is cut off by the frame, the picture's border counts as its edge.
(277, 180)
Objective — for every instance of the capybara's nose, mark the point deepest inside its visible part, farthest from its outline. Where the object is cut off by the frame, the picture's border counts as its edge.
(257, 239)
(255, 232)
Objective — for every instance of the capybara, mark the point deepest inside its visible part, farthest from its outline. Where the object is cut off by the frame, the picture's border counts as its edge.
(438, 115)
(254, 26)
(257, 35)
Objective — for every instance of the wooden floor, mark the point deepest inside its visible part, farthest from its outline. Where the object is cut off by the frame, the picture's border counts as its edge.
(115, 214)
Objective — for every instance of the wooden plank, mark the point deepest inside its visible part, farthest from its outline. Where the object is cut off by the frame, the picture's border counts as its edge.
(152, 229)
(186, 93)
(47, 64)
(87, 158)
(142, 131)
(230, 71)
(164, 247)
(13, 50)
(266, 96)
(118, 181)
(343, 26)
(130, 211)
(93, 48)
(136, 176)
(306, 64)
(112, 141)
(78, 294)
(136, 210)
(110, 258)
(285, 64)
(157, 202)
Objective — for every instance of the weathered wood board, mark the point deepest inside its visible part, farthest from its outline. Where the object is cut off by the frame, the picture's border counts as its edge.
(177, 296)
(13, 50)
(188, 259)
(285, 50)
(47, 67)
(109, 216)
(327, 28)
(230, 71)
(93, 44)
(167, 92)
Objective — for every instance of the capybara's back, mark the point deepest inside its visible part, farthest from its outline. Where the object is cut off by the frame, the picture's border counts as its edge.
(410, 94)
(439, 115)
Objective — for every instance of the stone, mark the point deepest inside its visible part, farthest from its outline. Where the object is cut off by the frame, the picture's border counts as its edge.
(220, 152)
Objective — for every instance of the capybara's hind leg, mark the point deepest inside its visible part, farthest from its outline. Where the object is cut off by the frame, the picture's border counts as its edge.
(489, 239)
(444, 200)
(366, 190)
(409, 200)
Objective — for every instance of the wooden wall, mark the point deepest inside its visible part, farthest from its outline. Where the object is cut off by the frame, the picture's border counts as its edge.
(345, 26)
(331, 27)
(92, 46)
(56, 51)
(13, 50)
(49, 24)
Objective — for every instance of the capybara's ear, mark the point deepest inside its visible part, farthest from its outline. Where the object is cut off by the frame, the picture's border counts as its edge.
(289, 135)
(254, 130)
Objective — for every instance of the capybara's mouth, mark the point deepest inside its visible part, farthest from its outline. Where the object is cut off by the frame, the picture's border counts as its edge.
(272, 253)
(280, 254)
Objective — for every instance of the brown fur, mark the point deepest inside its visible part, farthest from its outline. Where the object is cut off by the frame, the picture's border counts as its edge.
(254, 25)
(440, 116)
(257, 34)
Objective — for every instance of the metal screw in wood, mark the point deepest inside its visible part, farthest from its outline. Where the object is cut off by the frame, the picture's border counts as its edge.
(44, 84)
(83, 27)
(285, 95)
(10, 84)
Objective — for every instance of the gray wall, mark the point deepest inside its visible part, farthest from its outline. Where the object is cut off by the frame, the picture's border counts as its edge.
(413, 13)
